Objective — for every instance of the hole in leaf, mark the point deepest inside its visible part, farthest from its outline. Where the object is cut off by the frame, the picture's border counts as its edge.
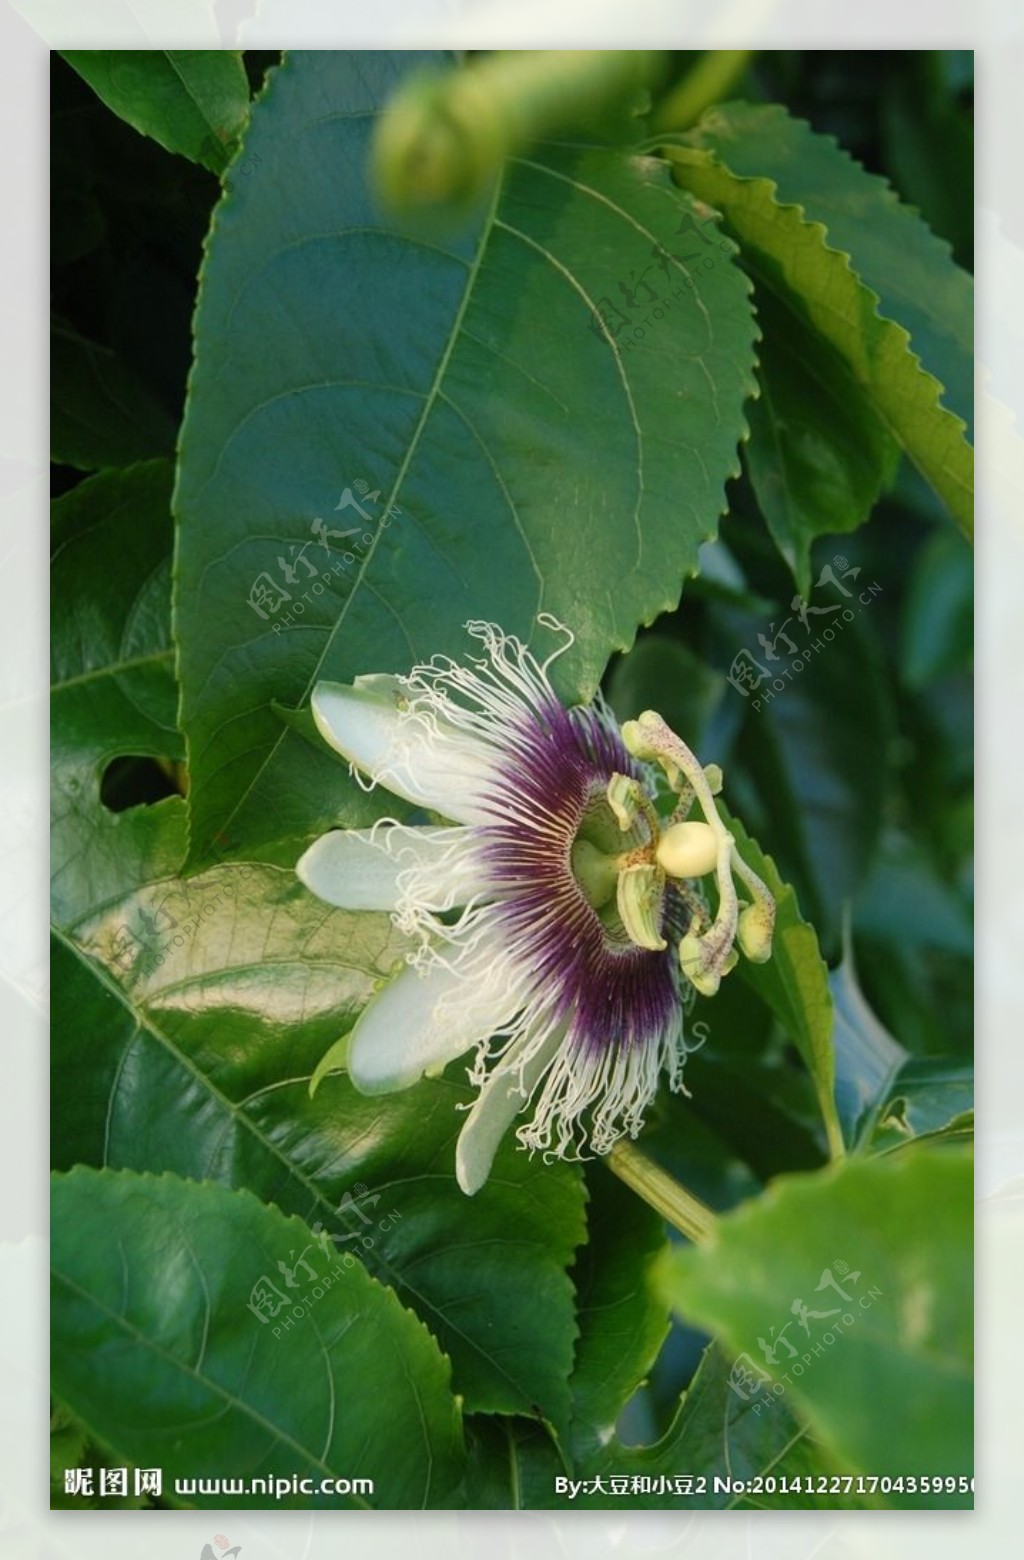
(135, 780)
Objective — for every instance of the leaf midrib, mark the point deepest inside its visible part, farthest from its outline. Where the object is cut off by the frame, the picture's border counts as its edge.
(436, 393)
(429, 402)
(112, 669)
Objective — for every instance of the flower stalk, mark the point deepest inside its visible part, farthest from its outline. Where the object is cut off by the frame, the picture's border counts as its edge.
(713, 79)
(660, 1191)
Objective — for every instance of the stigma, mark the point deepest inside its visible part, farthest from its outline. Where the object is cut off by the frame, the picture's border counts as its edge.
(627, 879)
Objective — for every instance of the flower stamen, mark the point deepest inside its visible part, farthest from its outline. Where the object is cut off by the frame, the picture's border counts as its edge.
(692, 849)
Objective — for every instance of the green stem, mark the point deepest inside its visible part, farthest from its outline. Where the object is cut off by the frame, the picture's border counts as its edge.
(676, 1205)
(446, 133)
(712, 79)
(833, 1132)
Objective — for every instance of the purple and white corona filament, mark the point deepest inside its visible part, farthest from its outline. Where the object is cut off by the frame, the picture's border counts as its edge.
(554, 926)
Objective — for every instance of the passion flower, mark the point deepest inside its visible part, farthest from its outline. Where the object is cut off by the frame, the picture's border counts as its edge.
(555, 924)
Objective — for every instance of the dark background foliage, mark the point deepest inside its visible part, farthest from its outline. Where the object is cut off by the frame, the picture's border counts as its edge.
(857, 775)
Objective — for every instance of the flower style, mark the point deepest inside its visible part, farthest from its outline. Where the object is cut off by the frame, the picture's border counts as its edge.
(555, 924)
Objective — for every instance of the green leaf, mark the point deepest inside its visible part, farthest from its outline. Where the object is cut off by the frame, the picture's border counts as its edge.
(192, 101)
(886, 1097)
(196, 1057)
(715, 1436)
(157, 1348)
(718, 1435)
(938, 625)
(819, 454)
(810, 782)
(511, 1465)
(690, 1145)
(70, 1448)
(906, 901)
(764, 1112)
(479, 401)
(868, 1058)
(887, 1387)
(914, 937)
(622, 1323)
(932, 1097)
(839, 251)
(928, 143)
(663, 674)
(67, 1446)
(101, 413)
(112, 691)
(794, 982)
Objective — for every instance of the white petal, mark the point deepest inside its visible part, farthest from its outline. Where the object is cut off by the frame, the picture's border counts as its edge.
(425, 1020)
(358, 869)
(497, 1105)
(344, 869)
(441, 768)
